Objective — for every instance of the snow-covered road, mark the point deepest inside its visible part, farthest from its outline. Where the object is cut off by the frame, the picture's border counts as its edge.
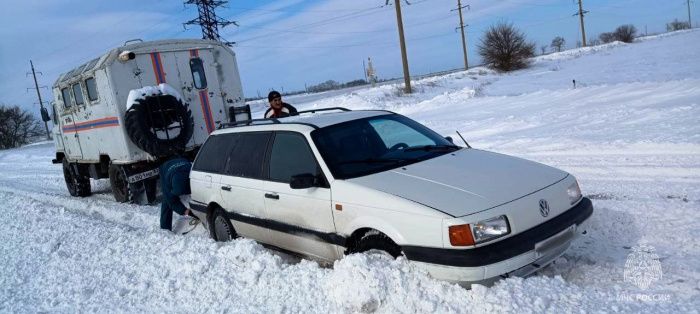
(630, 132)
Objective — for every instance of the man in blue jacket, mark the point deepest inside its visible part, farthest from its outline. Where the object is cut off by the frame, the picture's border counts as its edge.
(174, 182)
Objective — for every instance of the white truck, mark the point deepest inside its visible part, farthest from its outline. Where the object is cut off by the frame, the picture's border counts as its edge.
(121, 115)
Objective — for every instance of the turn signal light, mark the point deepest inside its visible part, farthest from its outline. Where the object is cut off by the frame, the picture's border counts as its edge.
(461, 235)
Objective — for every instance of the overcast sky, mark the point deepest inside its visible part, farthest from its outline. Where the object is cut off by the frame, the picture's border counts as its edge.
(288, 43)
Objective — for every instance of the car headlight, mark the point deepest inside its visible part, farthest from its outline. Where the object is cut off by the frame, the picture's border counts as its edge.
(490, 229)
(574, 193)
(482, 231)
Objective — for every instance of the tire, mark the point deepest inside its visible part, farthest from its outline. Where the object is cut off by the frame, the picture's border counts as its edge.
(220, 227)
(153, 112)
(375, 241)
(120, 185)
(77, 184)
(124, 191)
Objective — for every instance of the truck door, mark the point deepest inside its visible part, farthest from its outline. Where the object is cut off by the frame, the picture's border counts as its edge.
(192, 73)
(201, 85)
(56, 128)
(69, 127)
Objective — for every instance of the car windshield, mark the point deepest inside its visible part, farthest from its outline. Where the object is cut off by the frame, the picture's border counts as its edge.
(370, 145)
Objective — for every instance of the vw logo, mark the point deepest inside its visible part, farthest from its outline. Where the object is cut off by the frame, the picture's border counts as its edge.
(544, 208)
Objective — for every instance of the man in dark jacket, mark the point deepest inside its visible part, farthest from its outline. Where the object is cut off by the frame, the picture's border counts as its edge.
(174, 182)
(278, 108)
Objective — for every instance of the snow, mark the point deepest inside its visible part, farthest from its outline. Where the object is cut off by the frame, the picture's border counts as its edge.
(160, 89)
(629, 132)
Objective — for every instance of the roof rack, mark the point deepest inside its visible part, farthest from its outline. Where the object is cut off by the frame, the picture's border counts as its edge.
(324, 109)
(248, 122)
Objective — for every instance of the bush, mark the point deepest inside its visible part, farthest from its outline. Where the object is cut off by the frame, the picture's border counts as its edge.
(677, 25)
(606, 37)
(558, 43)
(625, 33)
(17, 127)
(505, 48)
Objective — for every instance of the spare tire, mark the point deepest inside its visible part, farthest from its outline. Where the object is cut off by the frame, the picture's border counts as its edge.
(159, 124)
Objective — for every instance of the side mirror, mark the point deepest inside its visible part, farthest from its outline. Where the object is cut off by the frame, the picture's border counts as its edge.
(303, 181)
(449, 138)
(45, 115)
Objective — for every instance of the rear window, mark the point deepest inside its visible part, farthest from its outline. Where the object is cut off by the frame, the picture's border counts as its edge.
(213, 155)
(200, 80)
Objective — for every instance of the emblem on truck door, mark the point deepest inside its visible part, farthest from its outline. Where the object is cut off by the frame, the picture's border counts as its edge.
(544, 208)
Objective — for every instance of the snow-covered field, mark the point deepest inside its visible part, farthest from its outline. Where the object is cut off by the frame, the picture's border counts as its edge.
(629, 131)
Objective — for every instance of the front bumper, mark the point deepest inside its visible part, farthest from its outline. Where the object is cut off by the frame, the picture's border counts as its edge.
(519, 255)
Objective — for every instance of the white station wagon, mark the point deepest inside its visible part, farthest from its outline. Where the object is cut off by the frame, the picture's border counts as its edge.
(332, 182)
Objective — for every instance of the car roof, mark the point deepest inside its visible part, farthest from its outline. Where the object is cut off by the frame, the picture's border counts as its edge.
(306, 121)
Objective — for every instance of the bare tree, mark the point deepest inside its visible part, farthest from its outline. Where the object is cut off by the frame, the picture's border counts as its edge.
(544, 48)
(677, 25)
(625, 33)
(17, 127)
(505, 48)
(594, 42)
(606, 37)
(558, 43)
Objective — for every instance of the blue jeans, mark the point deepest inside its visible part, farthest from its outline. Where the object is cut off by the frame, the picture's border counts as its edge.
(166, 213)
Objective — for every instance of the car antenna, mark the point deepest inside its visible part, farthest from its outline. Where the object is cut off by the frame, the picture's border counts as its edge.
(462, 137)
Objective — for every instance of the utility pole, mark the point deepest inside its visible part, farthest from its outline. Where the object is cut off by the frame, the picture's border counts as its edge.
(404, 57)
(208, 20)
(41, 103)
(580, 14)
(461, 27)
(690, 24)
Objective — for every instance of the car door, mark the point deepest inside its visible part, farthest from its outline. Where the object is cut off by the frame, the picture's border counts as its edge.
(301, 220)
(242, 187)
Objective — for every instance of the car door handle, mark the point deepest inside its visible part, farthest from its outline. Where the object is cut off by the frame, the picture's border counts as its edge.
(226, 188)
(272, 196)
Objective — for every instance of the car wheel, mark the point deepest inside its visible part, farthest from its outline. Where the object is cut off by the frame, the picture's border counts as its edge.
(374, 242)
(220, 227)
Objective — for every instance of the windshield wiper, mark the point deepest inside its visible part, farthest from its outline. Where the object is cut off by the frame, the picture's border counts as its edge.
(372, 161)
(429, 148)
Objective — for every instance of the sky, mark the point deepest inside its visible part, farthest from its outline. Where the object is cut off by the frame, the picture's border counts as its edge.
(287, 44)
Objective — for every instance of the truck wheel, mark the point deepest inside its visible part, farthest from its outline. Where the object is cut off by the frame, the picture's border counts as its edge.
(151, 187)
(148, 119)
(375, 241)
(120, 185)
(142, 192)
(78, 185)
(220, 228)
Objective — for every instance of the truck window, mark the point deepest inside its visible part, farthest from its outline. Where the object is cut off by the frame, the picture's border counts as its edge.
(78, 93)
(91, 88)
(200, 80)
(67, 101)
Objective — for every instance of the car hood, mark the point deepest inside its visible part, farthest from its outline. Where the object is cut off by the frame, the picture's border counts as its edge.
(464, 182)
